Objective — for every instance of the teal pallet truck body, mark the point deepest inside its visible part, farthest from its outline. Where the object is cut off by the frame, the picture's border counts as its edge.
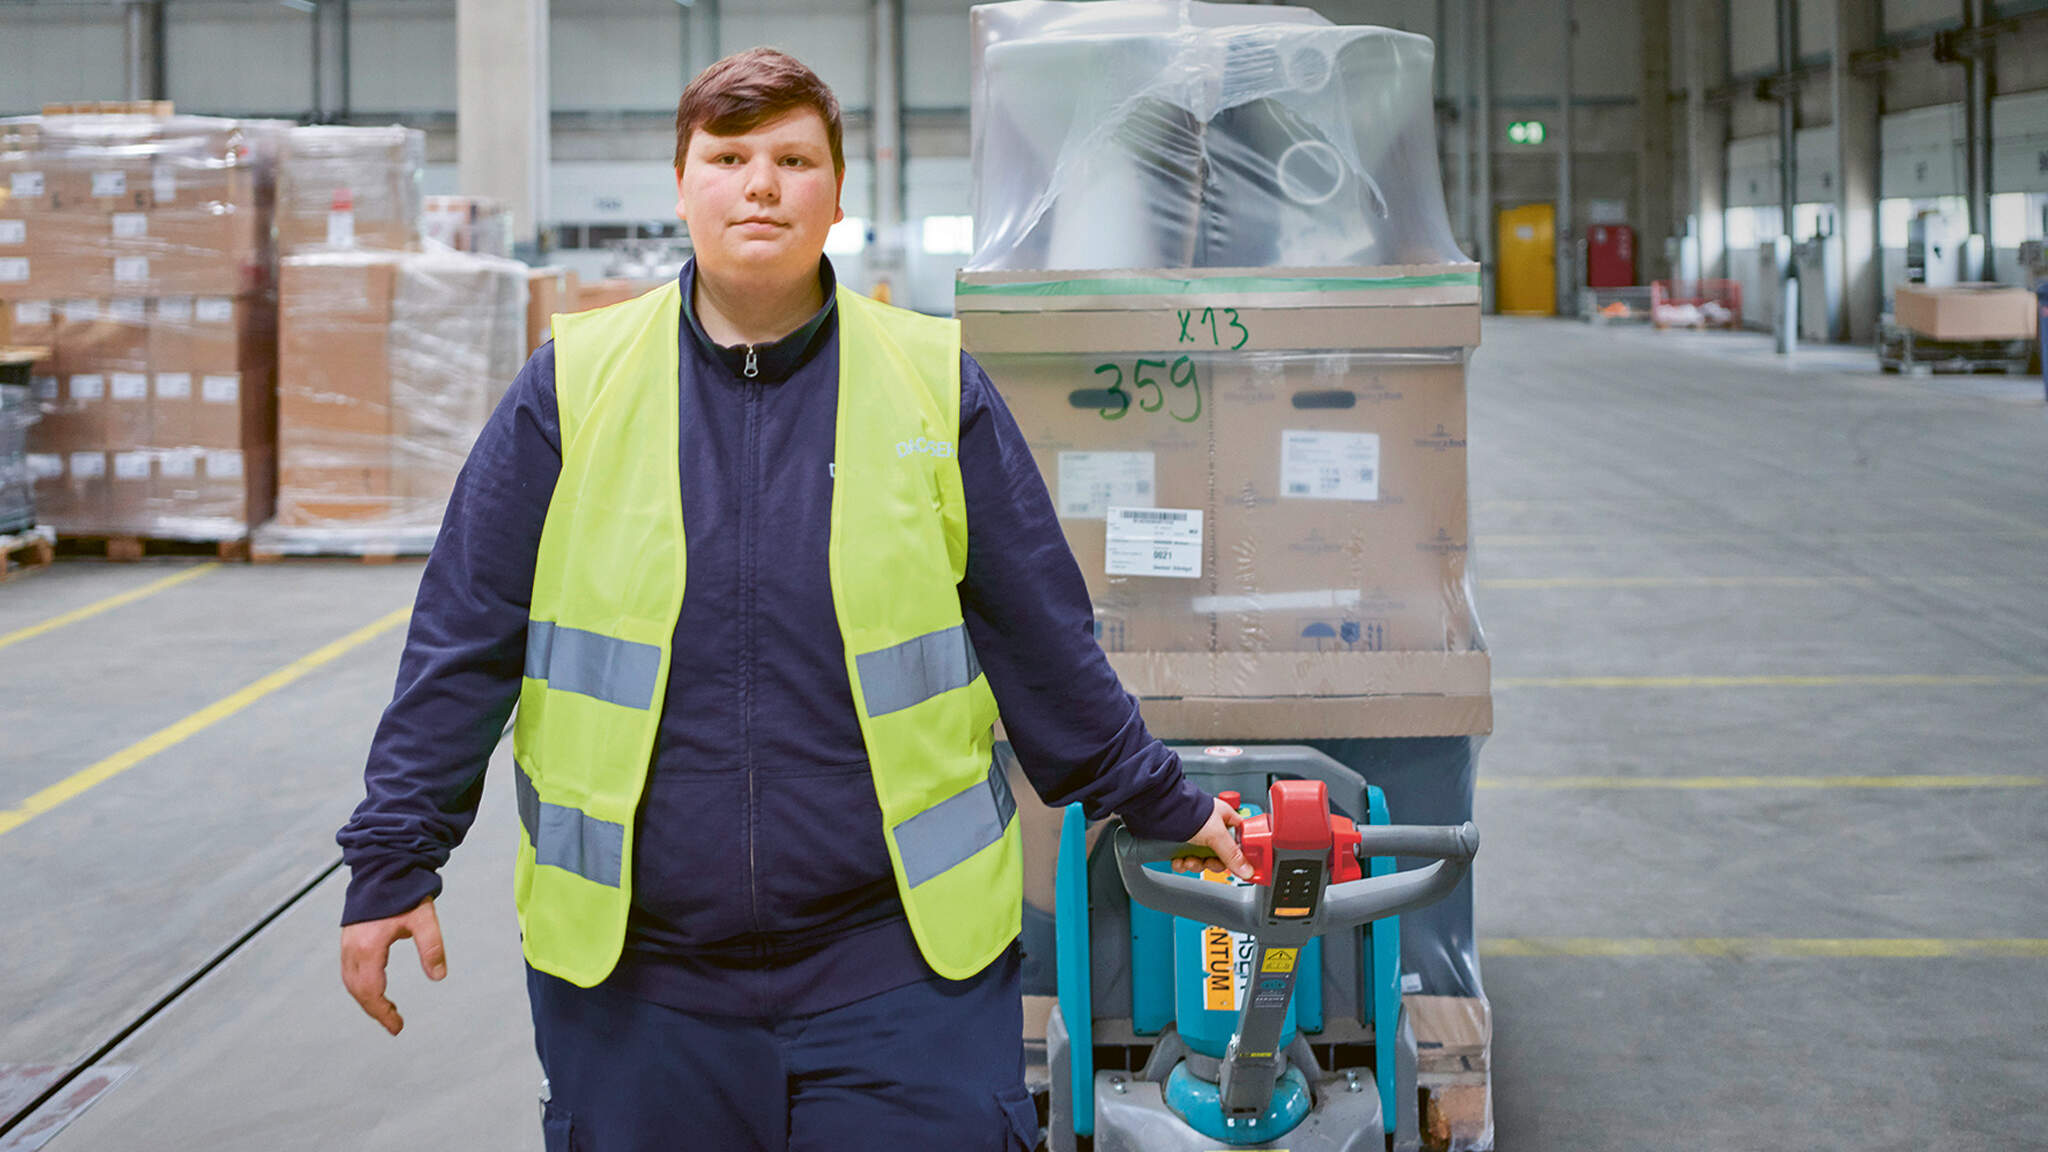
(1202, 1013)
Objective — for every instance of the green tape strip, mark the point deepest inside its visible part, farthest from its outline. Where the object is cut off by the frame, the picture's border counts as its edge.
(1167, 286)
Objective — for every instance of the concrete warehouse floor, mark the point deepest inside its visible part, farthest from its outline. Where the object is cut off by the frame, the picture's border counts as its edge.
(1763, 810)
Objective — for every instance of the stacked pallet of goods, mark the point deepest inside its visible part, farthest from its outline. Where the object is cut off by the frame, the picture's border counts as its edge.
(1216, 285)
(391, 357)
(136, 247)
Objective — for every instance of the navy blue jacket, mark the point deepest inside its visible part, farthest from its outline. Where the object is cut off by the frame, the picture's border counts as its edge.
(760, 875)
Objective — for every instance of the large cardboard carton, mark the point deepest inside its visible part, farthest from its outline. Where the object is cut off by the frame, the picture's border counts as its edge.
(334, 390)
(341, 188)
(549, 291)
(1262, 475)
(1966, 311)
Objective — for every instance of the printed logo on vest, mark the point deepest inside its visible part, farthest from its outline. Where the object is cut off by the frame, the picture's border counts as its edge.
(940, 448)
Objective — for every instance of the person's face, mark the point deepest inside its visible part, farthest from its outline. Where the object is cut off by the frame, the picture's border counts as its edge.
(758, 204)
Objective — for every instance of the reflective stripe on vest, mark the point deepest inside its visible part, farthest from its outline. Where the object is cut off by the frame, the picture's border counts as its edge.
(562, 837)
(941, 837)
(592, 664)
(916, 670)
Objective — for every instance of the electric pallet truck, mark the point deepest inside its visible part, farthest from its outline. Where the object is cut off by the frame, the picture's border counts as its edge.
(1199, 1013)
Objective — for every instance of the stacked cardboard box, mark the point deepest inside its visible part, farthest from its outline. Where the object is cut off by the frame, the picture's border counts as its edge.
(17, 413)
(390, 363)
(145, 266)
(549, 291)
(1264, 486)
(348, 188)
(1966, 312)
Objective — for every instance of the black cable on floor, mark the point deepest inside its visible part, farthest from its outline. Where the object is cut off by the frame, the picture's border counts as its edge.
(150, 1013)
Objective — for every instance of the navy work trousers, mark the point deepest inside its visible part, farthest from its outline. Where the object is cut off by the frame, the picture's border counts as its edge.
(933, 1065)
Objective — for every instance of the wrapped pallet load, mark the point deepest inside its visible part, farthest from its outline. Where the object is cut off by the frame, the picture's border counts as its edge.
(1216, 284)
(390, 363)
(137, 249)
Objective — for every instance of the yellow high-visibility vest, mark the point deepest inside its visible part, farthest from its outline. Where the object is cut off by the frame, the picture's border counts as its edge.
(608, 589)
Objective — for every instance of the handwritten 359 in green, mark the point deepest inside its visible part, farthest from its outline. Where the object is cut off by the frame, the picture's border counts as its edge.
(1182, 403)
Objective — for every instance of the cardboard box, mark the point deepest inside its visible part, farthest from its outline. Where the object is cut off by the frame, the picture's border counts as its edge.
(334, 389)
(548, 291)
(1966, 311)
(1270, 520)
(600, 293)
(350, 188)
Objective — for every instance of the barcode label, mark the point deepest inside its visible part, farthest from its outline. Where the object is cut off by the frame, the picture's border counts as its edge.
(214, 310)
(1153, 542)
(13, 269)
(88, 465)
(32, 313)
(129, 385)
(174, 385)
(13, 232)
(1330, 465)
(128, 310)
(221, 389)
(105, 184)
(88, 386)
(224, 464)
(131, 269)
(130, 225)
(26, 185)
(174, 310)
(1090, 482)
(131, 465)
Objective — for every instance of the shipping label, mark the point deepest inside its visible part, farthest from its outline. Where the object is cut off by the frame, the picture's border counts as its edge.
(106, 184)
(164, 184)
(81, 311)
(130, 225)
(131, 269)
(1154, 542)
(88, 386)
(179, 463)
(129, 385)
(26, 185)
(32, 313)
(226, 389)
(45, 465)
(1330, 465)
(174, 310)
(13, 269)
(1090, 482)
(174, 385)
(88, 465)
(214, 310)
(341, 229)
(131, 465)
(224, 464)
(13, 232)
(128, 310)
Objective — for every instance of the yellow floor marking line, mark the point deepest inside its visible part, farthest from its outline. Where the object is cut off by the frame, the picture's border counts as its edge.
(1908, 680)
(1713, 783)
(79, 782)
(1763, 948)
(107, 605)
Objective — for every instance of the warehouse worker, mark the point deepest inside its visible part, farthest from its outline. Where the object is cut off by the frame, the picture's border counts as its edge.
(759, 559)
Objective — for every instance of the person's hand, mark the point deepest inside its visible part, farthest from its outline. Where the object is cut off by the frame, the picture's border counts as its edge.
(1215, 836)
(366, 949)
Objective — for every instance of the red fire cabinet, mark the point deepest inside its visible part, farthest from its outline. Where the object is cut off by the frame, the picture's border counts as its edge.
(1610, 256)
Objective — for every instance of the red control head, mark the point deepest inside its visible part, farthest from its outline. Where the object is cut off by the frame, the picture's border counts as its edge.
(1298, 819)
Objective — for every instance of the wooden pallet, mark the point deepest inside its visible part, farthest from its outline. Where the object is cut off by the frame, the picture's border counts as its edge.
(26, 550)
(1453, 1077)
(262, 555)
(125, 549)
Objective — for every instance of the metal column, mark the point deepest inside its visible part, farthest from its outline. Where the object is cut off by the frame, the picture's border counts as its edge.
(1567, 220)
(1977, 138)
(885, 261)
(1786, 321)
(1856, 134)
(1482, 57)
(1653, 140)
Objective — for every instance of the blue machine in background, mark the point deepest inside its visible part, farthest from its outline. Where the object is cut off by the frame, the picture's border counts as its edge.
(1147, 1044)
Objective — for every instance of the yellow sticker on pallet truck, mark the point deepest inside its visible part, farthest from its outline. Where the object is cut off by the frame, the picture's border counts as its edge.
(1278, 960)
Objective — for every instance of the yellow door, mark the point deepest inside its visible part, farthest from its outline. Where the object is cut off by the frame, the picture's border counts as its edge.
(1527, 282)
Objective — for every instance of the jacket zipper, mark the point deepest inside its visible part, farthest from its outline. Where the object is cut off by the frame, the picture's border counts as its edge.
(753, 368)
(749, 511)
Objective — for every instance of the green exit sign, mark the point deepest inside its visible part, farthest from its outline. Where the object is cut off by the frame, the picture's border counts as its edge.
(1526, 132)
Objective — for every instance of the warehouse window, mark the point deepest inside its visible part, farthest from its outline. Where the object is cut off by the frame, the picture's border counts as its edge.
(2009, 223)
(849, 237)
(949, 235)
(1893, 217)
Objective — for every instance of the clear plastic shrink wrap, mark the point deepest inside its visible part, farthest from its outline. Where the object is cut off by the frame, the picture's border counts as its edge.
(17, 493)
(390, 363)
(145, 266)
(1216, 284)
(1149, 134)
(344, 188)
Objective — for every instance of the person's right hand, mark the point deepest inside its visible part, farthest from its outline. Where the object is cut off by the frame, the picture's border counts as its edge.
(366, 949)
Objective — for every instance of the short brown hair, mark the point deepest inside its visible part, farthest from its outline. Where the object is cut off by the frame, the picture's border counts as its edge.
(748, 89)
